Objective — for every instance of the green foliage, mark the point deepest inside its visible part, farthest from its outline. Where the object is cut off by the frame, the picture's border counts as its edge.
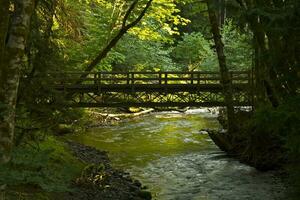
(194, 52)
(36, 120)
(161, 21)
(101, 21)
(282, 122)
(238, 47)
(49, 167)
(195, 11)
(142, 55)
(280, 128)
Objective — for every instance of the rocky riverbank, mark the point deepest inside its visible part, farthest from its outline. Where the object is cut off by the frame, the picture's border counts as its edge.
(99, 180)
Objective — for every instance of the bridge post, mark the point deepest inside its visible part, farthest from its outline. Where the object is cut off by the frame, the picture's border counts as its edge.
(95, 79)
(132, 82)
(128, 78)
(198, 78)
(166, 78)
(99, 81)
(192, 77)
(132, 78)
(159, 77)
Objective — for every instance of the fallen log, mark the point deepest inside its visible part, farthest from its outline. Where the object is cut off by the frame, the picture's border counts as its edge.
(119, 115)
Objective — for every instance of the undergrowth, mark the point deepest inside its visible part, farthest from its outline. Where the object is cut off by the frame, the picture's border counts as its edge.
(38, 170)
(281, 124)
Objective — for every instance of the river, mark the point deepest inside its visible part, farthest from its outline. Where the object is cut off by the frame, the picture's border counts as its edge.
(167, 153)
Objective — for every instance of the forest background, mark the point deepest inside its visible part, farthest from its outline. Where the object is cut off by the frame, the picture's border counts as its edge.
(118, 35)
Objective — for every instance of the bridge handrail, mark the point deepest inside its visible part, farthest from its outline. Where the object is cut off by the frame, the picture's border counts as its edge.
(140, 72)
(161, 77)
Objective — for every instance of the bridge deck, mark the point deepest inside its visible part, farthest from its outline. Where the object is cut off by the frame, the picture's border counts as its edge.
(146, 88)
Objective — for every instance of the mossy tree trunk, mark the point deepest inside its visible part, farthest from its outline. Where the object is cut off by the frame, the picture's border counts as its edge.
(4, 19)
(12, 61)
(225, 76)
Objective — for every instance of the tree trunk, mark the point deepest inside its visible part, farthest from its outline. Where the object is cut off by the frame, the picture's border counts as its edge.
(225, 77)
(10, 73)
(222, 12)
(39, 59)
(265, 87)
(4, 18)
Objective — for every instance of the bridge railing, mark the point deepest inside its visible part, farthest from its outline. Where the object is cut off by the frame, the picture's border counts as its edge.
(132, 78)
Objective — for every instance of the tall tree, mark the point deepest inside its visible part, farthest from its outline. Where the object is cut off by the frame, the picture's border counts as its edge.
(225, 77)
(275, 27)
(4, 20)
(11, 64)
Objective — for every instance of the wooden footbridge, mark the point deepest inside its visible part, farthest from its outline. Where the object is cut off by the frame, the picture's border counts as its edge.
(148, 89)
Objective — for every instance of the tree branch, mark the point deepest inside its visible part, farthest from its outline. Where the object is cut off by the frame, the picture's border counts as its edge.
(129, 11)
(224, 72)
(120, 34)
(142, 14)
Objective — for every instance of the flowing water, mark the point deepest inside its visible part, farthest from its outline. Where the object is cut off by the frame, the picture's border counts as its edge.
(168, 153)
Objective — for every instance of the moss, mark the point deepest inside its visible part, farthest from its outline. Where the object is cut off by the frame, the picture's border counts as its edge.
(63, 129)
(45, 178)
(62, 155)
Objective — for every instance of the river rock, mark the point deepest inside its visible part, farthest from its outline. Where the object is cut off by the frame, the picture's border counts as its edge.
(116, 184)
